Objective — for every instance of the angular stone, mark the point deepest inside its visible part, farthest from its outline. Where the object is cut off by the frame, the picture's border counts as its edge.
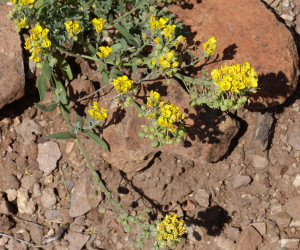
(83, 197)
(209, 132)
(294, 137)
(28, 130)
(241, 181)
(60, 215)
(282, 220)
(12, 76)
(49, 154)
(289, 243)
(259, 162)
(202, 197)
(274, 58)
(249, 239)
(48, 198)
(296, 181)
(225, 243)
(77, 240)
(292, 207)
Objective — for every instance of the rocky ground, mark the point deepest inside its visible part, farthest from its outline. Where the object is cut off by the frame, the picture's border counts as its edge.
(248, 200)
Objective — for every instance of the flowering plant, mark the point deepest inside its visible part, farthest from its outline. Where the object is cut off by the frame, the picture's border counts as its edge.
(125, 38)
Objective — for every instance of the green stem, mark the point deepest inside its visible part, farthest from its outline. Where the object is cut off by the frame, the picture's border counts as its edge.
(138, 108)
(97, 179)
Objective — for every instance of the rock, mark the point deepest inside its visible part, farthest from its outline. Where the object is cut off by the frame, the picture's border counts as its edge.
(8, 181)
(292, 207)
(76, 240)
(25, 205)
(201, 197)
(188, 206)
(79, 88)
(27, 182)
(282, 220)
(36, 234)
(28, 129)
(262, 131)
(48, 155)
(60, 215)
(11, 194)
(13, 244)
(12, 76)
(194, 232)
(5, 224)
(289, 243)
(249, 239)
(83, 196)
(295, 223)
(259, 162)
(296, 181)
(260, 227)
(4, 207)
(130, 153)
(294, 137)
(48, 198)
(36, 192)
(287, 17)
(225, 243)
(3, 242)
(240, 181)
(274, 59)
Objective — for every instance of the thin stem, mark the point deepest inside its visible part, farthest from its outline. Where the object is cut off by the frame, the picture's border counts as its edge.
(87, 96)
(11, 237)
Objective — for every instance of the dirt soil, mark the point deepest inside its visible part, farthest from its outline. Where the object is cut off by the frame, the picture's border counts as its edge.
(216, 200)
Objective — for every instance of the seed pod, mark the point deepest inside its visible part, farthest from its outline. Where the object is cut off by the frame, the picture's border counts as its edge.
(154, 144)
(140, 115)
(142, 135)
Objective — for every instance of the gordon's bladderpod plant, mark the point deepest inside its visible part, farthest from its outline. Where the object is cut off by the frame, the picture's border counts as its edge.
(123, 37)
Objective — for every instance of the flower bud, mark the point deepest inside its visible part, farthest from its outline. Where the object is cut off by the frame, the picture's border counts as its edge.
(75, 38)
(139, 61)
(142, 135)
(146, 129)
(140, 115)
(151, 137)
(143, 108)
(154, 144)
(152, 129)
(127, 104)
(152, 9)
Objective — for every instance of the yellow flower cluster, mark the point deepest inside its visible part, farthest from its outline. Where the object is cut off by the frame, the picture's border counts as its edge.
(99, 114)
(123, 84)
(167, 31)
(98, 23)
(210, 46)
(169, 230)
(169, 115)
(23, 23)
(73, 27)
(28, 2)
(105, 51)
(154, 96)
(235, 78)
(167, 62)
(37, 41)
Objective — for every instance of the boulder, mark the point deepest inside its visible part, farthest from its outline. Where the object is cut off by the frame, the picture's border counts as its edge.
(209, 132)
(247, 31)
(12, 76)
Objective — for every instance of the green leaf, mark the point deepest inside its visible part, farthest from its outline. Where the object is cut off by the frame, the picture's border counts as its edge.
(96, 139)
(46, 69)
(134, 66)
(124, 44)
(63, 97)
(38, 4)
(48, 108)
(79, 119)
(105, 77)
(129, 38)
(64, 67)
(62, 135)
(121, 7)
(116, 73)
(41, 83)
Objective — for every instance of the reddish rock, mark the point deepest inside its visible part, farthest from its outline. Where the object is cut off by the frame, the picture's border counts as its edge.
(249, 239)
(209, 132)
(247, 31)
(12, 76)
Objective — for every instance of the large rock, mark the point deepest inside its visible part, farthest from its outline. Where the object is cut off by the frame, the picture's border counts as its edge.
(247, 31)
(12, 76)
(209, 132)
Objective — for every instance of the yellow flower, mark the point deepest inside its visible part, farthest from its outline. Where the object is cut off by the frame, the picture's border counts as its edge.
(46, 43)
(98, 23)
(152, 22)
(181, 39)
(154, 61)
(23, 23)
(155, 95)
(224, 85)
(161, 23)
(175, 64)
(34, 56)
(170, 56)
(169, 31)
(28, 2)
(105, 51)
(157, 40)
(99, 114)
(73, 27)
(123, 84)
(210, 46)
(165, 64)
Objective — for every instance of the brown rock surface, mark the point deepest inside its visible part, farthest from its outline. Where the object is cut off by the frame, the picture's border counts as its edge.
(247, 31)
(249, 239)
(12, 77)
(209, 132)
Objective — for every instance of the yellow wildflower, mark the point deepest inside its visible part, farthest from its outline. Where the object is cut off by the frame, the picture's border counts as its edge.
(123, 84)
(99, 114)
(28, 2)
(98, 23)
(210, 46)
(23, 23)
(105, 51)
(169, 31)
(157, 40)
(73, 27)
(170, 56)
(155, 95)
